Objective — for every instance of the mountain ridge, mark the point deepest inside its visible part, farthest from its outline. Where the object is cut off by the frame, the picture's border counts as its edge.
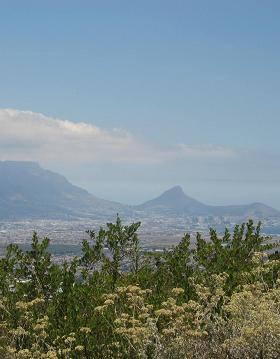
(28, 191)
(175, 201)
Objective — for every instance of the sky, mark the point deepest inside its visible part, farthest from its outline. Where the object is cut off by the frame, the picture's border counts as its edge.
(128, 98)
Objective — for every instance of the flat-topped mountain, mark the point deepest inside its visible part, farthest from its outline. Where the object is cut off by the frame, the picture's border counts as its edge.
(175, 202)
(29, 191)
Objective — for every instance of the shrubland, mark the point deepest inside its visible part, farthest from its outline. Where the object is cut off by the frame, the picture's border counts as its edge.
(217, 299)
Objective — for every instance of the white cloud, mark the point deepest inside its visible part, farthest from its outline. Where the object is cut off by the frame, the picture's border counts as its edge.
(25, 135)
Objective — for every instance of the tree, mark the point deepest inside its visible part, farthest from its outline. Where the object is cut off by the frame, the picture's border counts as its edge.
(115, 249)
(231, 254)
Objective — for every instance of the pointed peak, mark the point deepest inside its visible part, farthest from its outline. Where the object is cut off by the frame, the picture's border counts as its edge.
(175, 193)
(176, 190)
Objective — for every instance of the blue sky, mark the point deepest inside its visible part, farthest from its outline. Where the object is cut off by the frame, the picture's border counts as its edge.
(205, 74)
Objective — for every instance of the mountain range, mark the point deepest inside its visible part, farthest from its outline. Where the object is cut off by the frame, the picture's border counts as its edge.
(175, 202)
(28, 191)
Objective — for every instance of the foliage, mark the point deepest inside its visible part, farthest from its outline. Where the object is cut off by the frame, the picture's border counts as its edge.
(217, 299)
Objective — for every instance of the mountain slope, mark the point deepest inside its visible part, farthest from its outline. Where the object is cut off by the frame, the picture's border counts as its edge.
(175, 202)
(28, 191)
(253, 210)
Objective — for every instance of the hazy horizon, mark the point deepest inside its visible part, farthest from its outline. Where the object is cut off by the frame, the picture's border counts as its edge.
(127, 100)
(150, 192)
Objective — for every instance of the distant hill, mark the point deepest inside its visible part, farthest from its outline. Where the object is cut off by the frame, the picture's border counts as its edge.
(29, 191)
(175, 202)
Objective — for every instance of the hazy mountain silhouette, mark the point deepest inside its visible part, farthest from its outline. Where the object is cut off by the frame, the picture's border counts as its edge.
(175, 201)
(29, 191)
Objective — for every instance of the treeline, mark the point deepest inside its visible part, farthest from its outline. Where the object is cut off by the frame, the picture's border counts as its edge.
(220, 299)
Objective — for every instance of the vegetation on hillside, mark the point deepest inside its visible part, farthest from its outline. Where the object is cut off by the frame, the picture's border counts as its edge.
(218, 300)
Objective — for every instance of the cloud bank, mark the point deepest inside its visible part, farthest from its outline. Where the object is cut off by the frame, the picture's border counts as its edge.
(114, 164)
(26, 135)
